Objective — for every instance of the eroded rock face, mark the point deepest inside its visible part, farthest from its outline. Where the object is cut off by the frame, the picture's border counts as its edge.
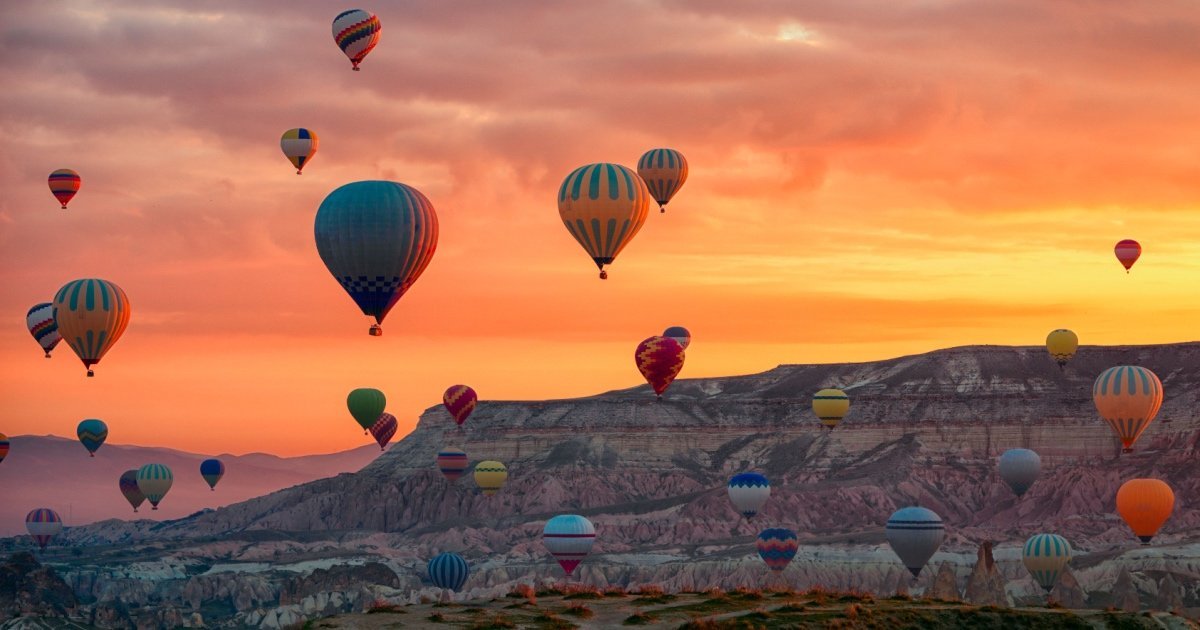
(1124, 595)
(986, 585)
(339, 578)
(1068, 592)
(945, 584)
(29, 588)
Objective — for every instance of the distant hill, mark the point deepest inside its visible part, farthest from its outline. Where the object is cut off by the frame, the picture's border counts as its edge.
(54, 472)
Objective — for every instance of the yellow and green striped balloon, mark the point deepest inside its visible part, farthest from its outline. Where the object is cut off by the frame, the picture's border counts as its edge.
(830, 405)
(603, 206)
(153, 481)
(92, 314)
(1045, 556)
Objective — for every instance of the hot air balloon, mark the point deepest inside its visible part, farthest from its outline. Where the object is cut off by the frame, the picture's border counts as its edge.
(1019, 468)
(748, 492)
(43, 525)
(1127, 251)
(659, 359)
(64, 183)
(460, 402)
(154, 480)
(383, 429)
(376, 238)
(366, 404)
(452, 463)
(569, 538)
(448, 570)
(299, 145)
(1127, 397)
(3, 446)
(664, 171)
(41, 324)
(92, 433)
(1062, 344)
(91, 314)
(603, 206)
(830, 405)
(212, 470)
(356, 32)
(777, 547)
(129, 488)
(1044, 556)
(490, 476)
(1145, 504)
(680, 335)
(915, 533)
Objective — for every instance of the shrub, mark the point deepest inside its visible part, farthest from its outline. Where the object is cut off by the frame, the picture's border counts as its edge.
(638, 618)
(579, 610)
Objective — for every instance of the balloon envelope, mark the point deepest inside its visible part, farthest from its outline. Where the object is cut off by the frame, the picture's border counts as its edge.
(92, 433)
(41, 324)
(680, 335)
(659, 359)
(376, 238)
(92, 315)
(1145, 504)
(1128, 397)
(830, 406)
(3, 446)
(64, 183)
(777, 547)
(1019, 468)
(452, 463)
(129, 488)
(664, 171)
(748, 492)
(383, 429)
(1062, 344)
(915, 533)
(569, 538)
(490, 476)
(460, 401)
(1045, 555)
(366, 404)
(212, 470)
(154, 480)
(603, 206)
(1128, 251)
(356, 32)
(448, 570)
(299, 145)
(43, 525)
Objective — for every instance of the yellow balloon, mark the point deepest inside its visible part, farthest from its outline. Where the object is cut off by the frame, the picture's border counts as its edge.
(830, 405)
(91, 314)
(490, 476)
(1062, 345)
(603, 206)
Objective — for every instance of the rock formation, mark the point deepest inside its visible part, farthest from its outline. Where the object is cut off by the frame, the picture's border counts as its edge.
(1124, 595)
(945, 584)
(29, 588)
(1067, 592)
(1170, 594)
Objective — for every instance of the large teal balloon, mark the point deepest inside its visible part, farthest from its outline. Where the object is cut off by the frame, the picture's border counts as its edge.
(376, 238)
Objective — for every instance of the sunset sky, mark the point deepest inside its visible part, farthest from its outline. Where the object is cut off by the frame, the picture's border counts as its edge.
(867, 179)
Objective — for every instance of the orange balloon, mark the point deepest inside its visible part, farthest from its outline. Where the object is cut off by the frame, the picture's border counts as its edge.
(1145, 504)
(1128, 397)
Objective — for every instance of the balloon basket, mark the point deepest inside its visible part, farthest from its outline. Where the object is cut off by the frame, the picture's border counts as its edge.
(64, 207)
(603, 275)
(47, 355)
(376, 331)
(91, 374)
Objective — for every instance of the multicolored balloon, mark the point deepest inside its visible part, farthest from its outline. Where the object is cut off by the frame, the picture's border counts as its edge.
(1019, 468)
(1128, 397)
(830, 406)
(383, 429)
(212, 470)
(1127, 251)
(490, 476)
(376, 238)
(129, 488)
(92, 315)
(1145, 504)
(4, 445)
(366, 404)
(452, 462)
(43, 525)
(460, 401)
(915, 533)
(659, 359)
(92, 433)
(777, 547)
(154, 481)
(64, 183)
(680, 335)
(1062, 344)
(748, 492)
(41, 324)
(664, 171)
(356, 32)
(448, 570)
(299, 145)
(603, 206)
(569, 538)
(1045, 556)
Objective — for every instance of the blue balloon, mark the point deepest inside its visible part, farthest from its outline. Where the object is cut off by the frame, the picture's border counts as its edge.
(92, 433)
(449, 570)
(212, 470)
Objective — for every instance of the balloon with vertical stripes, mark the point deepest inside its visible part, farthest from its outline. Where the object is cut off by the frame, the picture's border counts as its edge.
(603, 206)
(154, 480)
(1128, 397)
(448, 570)
(664, 171)
(92, 314)
(1045, 556)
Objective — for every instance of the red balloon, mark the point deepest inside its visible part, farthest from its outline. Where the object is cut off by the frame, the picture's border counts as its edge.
(659, 359)
(460, 402)
(383, 429)
(1128, 251)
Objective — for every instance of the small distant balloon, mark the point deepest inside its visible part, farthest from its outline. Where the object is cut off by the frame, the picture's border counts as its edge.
(1128, 397)
(1127, 251)
(777, 547)
(1145, 504)
(366, 404)
(92, 433)
(664, 171)
(915, 533)
(1045, 556)
(3, 446)
(212, 470)
(452, 462)
(299, 145)
(748, 492)
(448, 570)
(383, 429)
(41, 324)
(1019, 468)
(356, 32)
(43, 525)
(64, 183)
(490, 476)
(1062, 344)
(129, 488)
(154, 481)
(680, 335)
(460, 401)
(92, 314)
(659, 359)
(830, 406)
(569, 538)
(603, 206)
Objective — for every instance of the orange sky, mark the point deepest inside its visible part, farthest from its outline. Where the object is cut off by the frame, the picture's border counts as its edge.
(867, 180)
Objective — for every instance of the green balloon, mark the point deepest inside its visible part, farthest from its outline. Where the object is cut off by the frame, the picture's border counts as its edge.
(366, 404)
